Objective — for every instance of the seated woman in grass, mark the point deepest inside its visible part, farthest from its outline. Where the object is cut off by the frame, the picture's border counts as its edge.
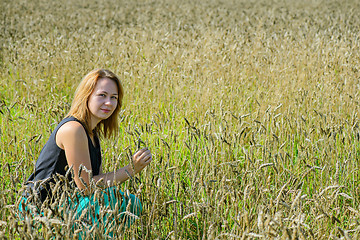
(75, 144)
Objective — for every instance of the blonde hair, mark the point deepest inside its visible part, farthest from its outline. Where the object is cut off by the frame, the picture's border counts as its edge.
(79, 107)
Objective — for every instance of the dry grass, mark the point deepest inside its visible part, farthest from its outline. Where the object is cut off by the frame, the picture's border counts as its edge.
(249, 107)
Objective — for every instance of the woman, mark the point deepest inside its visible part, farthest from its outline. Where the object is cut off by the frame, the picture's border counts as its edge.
(75, 143)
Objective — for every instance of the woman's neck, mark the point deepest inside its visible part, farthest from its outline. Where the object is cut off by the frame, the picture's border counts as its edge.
(93, 124)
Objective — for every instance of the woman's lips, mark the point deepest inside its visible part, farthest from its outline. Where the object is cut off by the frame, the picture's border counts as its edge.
(105, 110)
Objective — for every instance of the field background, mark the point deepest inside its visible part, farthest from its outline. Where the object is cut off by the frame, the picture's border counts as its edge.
(250, 108)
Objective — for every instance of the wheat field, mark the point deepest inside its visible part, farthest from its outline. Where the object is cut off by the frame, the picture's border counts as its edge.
(250, 109)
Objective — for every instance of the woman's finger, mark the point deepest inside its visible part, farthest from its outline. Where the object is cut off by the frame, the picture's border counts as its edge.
(140, 152)
(147, 158)
(147, 152)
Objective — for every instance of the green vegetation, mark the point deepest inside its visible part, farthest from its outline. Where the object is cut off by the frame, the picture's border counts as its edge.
(250, 108)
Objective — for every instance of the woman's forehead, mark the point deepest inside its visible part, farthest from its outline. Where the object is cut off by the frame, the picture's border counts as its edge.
(106, 84)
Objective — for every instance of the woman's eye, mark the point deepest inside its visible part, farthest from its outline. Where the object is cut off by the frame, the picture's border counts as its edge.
(102, 95)
(113, 97)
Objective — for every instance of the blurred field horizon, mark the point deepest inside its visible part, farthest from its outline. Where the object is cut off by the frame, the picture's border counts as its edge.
(250, 108)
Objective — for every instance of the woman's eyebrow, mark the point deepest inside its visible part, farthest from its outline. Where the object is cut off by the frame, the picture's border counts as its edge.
(103, 91)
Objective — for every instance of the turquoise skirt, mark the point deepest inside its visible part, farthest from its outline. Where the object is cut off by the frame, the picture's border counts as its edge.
(108, 207)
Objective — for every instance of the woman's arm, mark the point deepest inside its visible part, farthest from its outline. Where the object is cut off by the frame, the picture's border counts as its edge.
(140, 160)
(73, 139)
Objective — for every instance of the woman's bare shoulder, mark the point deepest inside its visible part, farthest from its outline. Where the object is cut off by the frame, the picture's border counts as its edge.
(71, 127)
(71, 131)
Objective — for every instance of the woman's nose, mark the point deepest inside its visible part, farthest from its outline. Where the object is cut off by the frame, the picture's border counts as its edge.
(108, 101)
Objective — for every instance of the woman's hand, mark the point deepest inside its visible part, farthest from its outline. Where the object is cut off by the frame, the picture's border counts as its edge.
(141, 159)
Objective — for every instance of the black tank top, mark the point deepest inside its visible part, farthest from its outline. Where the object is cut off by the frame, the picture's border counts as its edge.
(52, 161)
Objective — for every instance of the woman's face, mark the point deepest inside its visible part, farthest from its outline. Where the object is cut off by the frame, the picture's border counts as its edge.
(103, 100)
